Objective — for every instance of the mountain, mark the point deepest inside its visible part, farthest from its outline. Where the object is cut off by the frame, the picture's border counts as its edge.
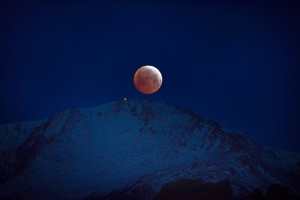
(132, 147)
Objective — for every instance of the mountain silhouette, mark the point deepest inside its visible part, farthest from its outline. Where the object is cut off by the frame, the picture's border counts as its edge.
(133, 147)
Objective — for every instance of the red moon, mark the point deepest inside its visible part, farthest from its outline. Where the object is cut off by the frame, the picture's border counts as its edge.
(147, 79)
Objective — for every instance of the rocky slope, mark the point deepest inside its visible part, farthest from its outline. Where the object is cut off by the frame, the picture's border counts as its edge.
(132, 147)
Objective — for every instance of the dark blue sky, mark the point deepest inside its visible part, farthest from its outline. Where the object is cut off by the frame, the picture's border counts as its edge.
(236, 62)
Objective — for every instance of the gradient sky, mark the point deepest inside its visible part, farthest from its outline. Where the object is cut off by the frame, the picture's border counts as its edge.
(236, 62)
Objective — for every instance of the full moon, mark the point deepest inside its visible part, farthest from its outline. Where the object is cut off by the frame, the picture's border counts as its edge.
(147, 79)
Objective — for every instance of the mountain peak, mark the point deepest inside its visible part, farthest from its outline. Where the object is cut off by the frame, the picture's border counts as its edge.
(132, 144)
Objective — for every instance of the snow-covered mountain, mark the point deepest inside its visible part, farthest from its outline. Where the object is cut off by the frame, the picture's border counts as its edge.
(132, 146)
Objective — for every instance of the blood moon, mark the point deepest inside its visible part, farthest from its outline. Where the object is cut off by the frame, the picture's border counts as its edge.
(147, 79)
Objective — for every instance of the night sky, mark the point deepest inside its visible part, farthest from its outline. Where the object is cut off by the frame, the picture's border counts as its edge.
(236, 62)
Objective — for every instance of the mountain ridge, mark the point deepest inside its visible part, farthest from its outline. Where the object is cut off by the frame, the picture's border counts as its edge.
(130, 144)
